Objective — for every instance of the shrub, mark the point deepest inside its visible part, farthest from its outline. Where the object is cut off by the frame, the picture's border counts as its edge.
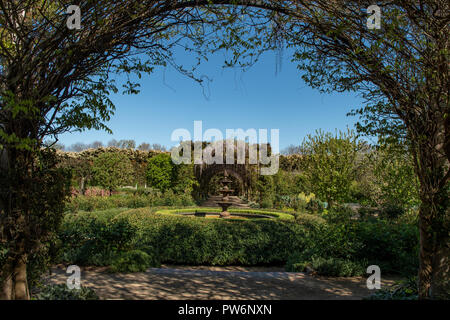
(95, 238)
(401, 290)
(339, 214)
(392, 211)
(181, 240)
(334, 267)
(61, 292)
(315, 206)
(267, 204)
(296, 263)
(134, 261)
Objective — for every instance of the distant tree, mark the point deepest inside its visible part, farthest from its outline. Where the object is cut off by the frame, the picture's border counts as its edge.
(78, 147)
(158, 147)
(144, 146)
(113, 143)
(96, 145)
(330, 164)
(160, 172)
(112, 169)
(291, 149)
(59, 146)
(54, 144)
(127, 144)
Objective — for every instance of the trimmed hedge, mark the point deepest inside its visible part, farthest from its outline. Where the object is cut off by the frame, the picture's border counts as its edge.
(275, 214)
(128, 200)
(96, 238)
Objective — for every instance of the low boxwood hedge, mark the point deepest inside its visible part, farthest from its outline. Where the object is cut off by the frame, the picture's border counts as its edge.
(275, 214)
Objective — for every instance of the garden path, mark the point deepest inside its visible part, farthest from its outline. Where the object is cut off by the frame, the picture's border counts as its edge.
(222, 283)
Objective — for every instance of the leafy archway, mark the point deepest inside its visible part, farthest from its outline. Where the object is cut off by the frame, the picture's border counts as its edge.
(240, 173)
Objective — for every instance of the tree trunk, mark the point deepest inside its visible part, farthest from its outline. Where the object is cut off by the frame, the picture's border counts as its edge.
(20, 280)
(15, 284)
(7, 292)
(432, 171)
(434, 254)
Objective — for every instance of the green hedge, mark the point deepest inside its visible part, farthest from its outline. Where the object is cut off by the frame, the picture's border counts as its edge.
(128, 200)
(95, 238)
(275, 214)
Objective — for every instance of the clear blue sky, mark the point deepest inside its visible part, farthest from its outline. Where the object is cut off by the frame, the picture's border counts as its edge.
(258, 98)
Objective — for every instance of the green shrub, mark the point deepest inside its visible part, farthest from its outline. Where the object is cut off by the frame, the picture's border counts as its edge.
(61, 292)
(394, 247)
(392, 211)
(95, 237)
(296, 263)
(315, 206)
(267, 203)
(339, 214)
(134, 261)
(181, 240)
(401, 290)
(336, 267)
(333, 267)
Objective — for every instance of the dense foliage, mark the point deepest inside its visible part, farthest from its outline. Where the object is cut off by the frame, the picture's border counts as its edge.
(160, 172)
(112, 170)
(133, 261)
(61, 292)
(331, 164)
(129, 199)
(97, 238)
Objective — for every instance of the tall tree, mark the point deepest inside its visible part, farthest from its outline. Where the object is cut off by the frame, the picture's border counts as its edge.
(402, 71)
(55, 77)
(330, 164)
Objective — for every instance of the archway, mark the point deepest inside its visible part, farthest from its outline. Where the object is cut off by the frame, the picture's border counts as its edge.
(240, 173)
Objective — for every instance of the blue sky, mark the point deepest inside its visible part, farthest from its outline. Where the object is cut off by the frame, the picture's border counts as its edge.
(258, 98)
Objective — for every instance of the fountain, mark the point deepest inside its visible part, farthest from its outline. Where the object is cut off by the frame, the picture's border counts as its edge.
(226, 191)
(225, 202)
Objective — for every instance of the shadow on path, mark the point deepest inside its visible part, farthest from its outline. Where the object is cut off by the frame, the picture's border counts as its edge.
(213, 283)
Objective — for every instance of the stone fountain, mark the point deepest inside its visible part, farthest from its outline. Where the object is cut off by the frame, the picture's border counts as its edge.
(225, 203)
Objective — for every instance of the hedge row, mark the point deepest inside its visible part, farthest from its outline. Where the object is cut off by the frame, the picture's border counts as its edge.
(275, 214)
(83, 203)
(97, 238)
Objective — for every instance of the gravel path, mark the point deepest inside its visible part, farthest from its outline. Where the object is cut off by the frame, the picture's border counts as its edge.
(203, 283)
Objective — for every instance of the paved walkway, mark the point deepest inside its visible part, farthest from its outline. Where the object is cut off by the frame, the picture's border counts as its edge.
(202, 283)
